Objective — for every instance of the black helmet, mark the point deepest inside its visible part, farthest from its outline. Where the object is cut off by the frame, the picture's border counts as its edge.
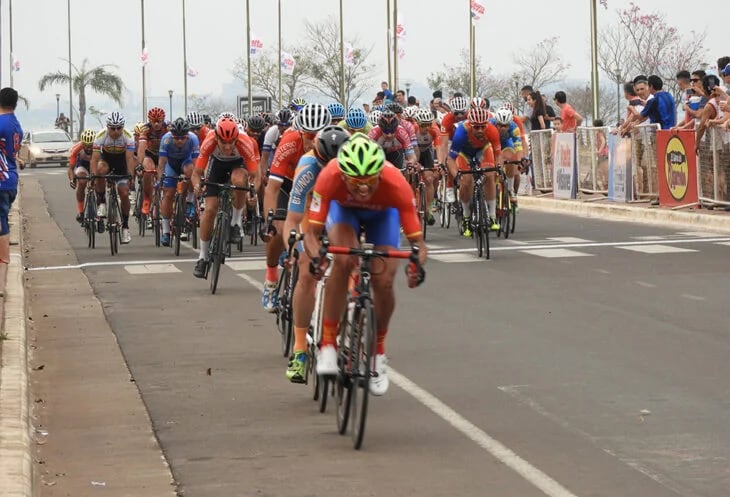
(180, 127)
(395, 107)
(329, 141)
(269, 118)
(256, 123)
(388, 121)
(284, 117)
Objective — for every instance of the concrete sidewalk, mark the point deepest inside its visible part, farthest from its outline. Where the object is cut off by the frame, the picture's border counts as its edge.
(72, 421)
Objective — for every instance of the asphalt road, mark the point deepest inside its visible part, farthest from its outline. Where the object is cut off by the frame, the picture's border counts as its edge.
(587, 358)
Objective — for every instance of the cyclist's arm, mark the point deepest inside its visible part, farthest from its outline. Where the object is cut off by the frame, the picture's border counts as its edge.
(131, 163)
(141, 148)
(95, 157)
(72, 158)
(161, 163)
(271, 194)
(292, 222)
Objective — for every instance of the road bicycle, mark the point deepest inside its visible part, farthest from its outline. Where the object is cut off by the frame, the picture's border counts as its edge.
(113, 219)
(446, 198)
(320, 384)
(181, 223)
(285, 289)
(414, 176)
(358, 337)
(480, 222)
(220, 240)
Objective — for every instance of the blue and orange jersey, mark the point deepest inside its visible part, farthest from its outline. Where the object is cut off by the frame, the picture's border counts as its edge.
(79, 156)
(467, 144)
(509, 137)
(305, 177)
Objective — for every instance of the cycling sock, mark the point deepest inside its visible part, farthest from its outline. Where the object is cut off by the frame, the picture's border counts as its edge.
(204, 244)
(272, 274)
(381, 341)
(125, 222)
(466, 206)
(236, 217)
(492, 207)
(80, 206)
(300, 338)
(165, 226)
(329, 332)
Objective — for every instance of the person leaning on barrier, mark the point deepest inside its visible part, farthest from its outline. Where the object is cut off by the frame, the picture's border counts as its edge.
(712, 110)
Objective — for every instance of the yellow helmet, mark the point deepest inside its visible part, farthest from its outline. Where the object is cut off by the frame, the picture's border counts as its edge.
(87, 136)
(138, 129)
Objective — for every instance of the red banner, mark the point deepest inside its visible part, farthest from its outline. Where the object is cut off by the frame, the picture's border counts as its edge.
(677, 168)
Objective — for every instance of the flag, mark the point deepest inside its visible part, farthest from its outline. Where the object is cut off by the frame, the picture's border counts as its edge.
(401, 52)
(144, 56)
(287, 63)
(16, 65)
(604, 3)
(400, 29)
(349, 55)
(256, 45)
(477, 10)
(192, 72)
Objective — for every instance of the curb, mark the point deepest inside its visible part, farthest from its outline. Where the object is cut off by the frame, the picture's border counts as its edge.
(16, 465)
(629, 213)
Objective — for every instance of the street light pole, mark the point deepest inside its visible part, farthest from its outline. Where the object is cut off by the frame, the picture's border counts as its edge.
(408, 90)
(10, 32)
(342, 60)
(618, 97)
(169, 92)
(144, 73)
(281, 104)
(388, 34)
(185, 63)
(594, 59)
(58, 103)
(70, 76)
(248, 56)
(395, 46)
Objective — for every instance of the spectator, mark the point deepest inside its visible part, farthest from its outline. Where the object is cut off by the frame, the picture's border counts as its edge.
(549, 110)
(571, 119)
(387, 94)
(400, 97)
(660, 109)
(379, 99)
(525, 92)
(712, 111)
(538, 119)
(722, 63)
(602, 155)
(62, 122)
(10, 136)
(558, 124)
(413, 101)
(694, 101)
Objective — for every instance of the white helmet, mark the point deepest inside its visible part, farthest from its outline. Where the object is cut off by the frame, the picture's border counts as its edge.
(314, 117)
(410, 111)
(115, 119)
(229, 115)
(424, 116)
(195, 119)
(459, 104)
(503, 116)
(374, 117)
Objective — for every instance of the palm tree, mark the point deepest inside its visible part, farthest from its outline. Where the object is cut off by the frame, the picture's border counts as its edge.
(97, 78)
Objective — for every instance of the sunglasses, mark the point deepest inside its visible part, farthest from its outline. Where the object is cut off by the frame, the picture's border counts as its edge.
(114, 128)
(180, 138)
(459, 114)
(478, 126)
(368, 181)
(156, 121)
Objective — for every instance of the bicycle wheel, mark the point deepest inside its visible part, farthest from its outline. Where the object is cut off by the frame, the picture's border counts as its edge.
(194, 232)
(513, 215)
(178, 224)
(112, 223)
(284, 312)
(156, 223)
(477, 225)
(141, 218)
(423, 209)
(364, 323)
(506, 228)
(343, 380)
(90, 218)
(216, 253)
(485, 227)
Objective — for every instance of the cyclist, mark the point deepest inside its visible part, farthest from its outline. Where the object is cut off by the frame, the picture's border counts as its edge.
(459, 105)
(148, 151)
(137, 131)
(374, 117)
(356, 120)
(358, 189)
(197, 125)
(511, 143)
(256, 128)
(429, 140)
(297, 104)
(337, 111)
(312, 118)
(228, 151)
(113, 153)
(178, 149)
(475, 139)
(394, 138)
(325, 148)
(271, 140)
(79, 158)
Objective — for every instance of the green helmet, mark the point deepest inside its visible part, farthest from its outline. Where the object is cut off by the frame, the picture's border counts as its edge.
(360, 156)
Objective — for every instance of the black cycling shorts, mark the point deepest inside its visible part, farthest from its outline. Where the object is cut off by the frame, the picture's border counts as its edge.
(220, 172)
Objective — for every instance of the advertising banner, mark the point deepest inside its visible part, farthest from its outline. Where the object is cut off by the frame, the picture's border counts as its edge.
(620, 184)
(564, 166)
(677, 165)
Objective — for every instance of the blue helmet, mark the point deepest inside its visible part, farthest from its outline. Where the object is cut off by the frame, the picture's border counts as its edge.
(336, 110)
(356, 118)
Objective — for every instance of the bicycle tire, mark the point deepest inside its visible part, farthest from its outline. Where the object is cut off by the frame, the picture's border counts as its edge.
(178, 223)
(513, 214)
(507, 218)
(364, 320)
(156, 224)
(485, 228)
(423, 214)
(141, 217)
(90, 219)
(112, 223)
(477, 225)
(194, 232)
(286, 312)
(216, 257)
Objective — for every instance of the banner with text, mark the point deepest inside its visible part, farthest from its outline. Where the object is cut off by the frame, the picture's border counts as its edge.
(620, 184)
(564, 166)
(677, 165)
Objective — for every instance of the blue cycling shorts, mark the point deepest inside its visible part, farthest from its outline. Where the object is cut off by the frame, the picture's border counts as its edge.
(382, 228)
(173, 168)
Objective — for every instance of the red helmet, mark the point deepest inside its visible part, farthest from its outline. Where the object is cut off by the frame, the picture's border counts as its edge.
(478, 115)
(156, 114)
(226, 130)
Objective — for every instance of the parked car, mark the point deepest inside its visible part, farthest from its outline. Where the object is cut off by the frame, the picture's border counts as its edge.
(45, 147)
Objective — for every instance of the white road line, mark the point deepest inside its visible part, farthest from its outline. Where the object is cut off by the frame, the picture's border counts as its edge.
(603, 271)
(645, 284)
(547, 485)
(498, 450)
(151, 269)
(692, 297)
(657, 249)
(555, 253)
(583, 245)
(133, 263)
(568, 239)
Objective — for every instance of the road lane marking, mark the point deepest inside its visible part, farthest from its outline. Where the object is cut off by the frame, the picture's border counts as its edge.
(568, 239)
(603, 271)
(251, 265)
(497, 449)
(451, 258)
(554, 253)
(645, 284)
(134, 263)
(547, 485)
(727, 244)
(151, 269)
(658, 249)
(692, 297)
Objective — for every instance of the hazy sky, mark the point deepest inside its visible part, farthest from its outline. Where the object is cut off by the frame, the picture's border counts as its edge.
(109, 31)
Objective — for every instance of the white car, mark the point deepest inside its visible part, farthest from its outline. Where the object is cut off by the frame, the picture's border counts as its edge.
(45, 147)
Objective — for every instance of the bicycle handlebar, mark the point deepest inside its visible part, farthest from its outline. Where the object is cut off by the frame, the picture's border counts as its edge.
(227, 186)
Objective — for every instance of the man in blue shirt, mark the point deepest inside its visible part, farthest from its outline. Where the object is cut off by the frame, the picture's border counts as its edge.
(660, 109)
(10, 137)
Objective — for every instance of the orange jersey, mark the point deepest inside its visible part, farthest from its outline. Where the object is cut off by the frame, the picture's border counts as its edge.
(392, 191)
(287, 155)
(202, 132)
(152, 137)
(448, 125)
(430, 137)
(78, 154)
(243, 149)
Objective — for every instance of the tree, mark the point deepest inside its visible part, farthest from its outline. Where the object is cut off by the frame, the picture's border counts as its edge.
(98, 79)
(646, 44)
(322, 49)
(97, 114)
(208, 105)
(580, 97)
(265, 74)
(541, 66)
(457, 77)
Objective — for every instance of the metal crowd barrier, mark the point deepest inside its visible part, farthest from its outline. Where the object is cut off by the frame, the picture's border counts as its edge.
(713, 167)
(541, 148)
(644, 161)
(592, 159)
